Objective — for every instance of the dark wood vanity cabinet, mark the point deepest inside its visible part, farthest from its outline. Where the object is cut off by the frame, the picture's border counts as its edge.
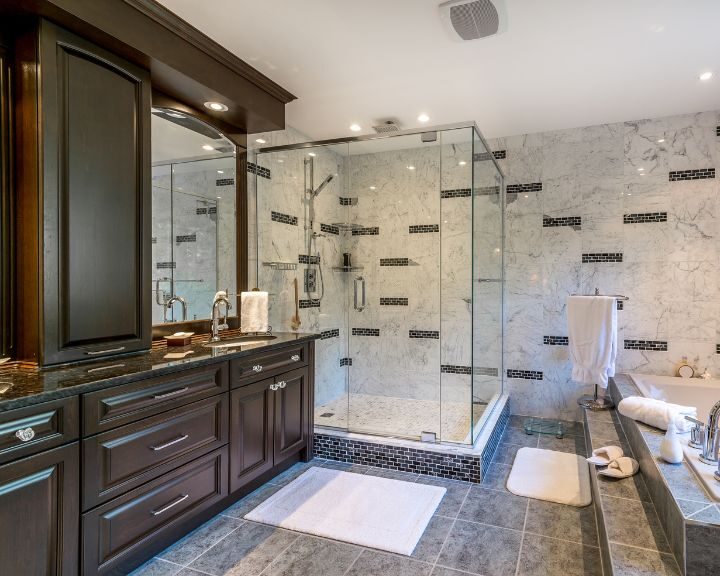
(84, 175)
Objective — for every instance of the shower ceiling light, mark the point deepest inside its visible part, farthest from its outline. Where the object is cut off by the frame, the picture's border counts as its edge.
(423, 118)
(216, 106)
(260, 141)
(706, 76)
(355, 127)
(462, 163)
(207, 147)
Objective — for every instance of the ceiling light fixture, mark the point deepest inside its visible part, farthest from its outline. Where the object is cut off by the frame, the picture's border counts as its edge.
(411, 167)
(641, 169)
(706, 76)
(216, 106)
(423, 118)
(260, 141)
(372, 187)
(462, 163)
(355, 127)
(207, 147)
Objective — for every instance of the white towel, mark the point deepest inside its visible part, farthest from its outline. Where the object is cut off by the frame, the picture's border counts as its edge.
(253, 311)
(657, 413)
(592, 334)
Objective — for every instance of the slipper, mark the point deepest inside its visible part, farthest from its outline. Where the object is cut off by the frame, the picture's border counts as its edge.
(621, 468)
(603, 456)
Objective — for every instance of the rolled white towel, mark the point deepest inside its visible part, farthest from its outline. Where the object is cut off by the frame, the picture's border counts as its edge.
(657, 413)
(254, 311)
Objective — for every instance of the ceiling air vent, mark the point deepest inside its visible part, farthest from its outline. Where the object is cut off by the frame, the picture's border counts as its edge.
(390, 125)
(474, 19)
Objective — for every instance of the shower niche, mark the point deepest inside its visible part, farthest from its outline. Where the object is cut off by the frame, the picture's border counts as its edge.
(395, 241)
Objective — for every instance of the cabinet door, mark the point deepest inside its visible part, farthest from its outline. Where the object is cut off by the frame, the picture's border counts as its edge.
(6, 229)
(291, 413)
(96, 200)
(251, 432)
(40, 513)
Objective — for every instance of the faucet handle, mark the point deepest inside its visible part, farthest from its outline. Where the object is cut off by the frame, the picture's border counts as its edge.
(698, 423)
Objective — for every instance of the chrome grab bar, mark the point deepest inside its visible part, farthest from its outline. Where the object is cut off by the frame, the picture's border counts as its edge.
(168, 506)
(359, 281)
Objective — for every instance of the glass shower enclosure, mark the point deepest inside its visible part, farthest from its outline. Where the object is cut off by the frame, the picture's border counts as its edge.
(395, 243)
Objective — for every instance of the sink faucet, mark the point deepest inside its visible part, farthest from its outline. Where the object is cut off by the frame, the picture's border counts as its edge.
(169, 305)
(709, 435)
(220, 299)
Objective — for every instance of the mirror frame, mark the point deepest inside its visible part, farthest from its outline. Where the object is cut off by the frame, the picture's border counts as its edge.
(202, 326)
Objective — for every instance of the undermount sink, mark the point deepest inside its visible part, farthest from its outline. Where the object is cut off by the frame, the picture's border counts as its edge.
(241, 341)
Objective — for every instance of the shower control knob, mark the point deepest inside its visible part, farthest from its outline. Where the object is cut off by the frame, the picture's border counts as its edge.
(295, 357)
(257, 368)
(25, 434)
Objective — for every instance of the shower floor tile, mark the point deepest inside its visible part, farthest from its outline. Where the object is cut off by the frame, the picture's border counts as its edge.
(406, 417)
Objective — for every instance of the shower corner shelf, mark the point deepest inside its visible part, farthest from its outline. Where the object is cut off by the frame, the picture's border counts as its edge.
(347, 268)
(281, 265)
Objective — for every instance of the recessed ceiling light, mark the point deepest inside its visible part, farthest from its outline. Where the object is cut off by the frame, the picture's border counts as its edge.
(372, 187)
(312, 154)
(221, 172)
(462, 163)
(411, 167)
(355, 127)
(175, 115)
(260, 141)
(641, 169)
(706, 75)
(219, 197)
(207, 147)
(423, 118)
(280, 160)
(216, 106)
(661, 140)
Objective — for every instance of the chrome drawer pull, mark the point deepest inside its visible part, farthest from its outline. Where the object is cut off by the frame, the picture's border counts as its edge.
(25, 434)
(105, 368)
(295, 357)
(168, 506)
(257, 368)
(281, 384)
(171, 394)
(168, 444)
(96, 352)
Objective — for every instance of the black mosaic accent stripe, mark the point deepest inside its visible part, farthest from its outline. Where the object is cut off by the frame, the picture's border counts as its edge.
(452, 369)
(465, 467)
(485, 371)
(200, 211)
(717, 348)
(431, 334)
(306, 259)
(644, 217)
(456, 193)
(393, 301)
(313, 303)
(212, 210)
(602, 257)
(649, 345)
(164, 265)
(225, 182)
(186, 238)
(525, 374)
(500, 154)
(620, 305)
(345, 361)
(423, 228)
(701, 174)
(494, 441)
(521, 188)
(326, 334)
(484, 156)
(348, 201)
(258, 170)
(372, 231)
(555, 340)
(394, 262)
(574, 221)
(366, 331)
(153, 240)
(284, 218)
(487, 191)
(717, 131)
(328, 229)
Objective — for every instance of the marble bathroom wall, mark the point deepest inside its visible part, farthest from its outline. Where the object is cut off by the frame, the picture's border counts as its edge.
(628, 208)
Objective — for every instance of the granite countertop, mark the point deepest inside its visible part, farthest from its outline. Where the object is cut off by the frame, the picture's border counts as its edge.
(23, 384)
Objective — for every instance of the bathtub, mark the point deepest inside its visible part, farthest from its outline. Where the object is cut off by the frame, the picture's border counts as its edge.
(696, 392)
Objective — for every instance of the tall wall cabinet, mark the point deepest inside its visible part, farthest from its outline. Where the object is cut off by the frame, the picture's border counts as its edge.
(83, 199)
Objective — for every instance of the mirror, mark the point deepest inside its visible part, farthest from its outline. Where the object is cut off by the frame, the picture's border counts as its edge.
(193, 217)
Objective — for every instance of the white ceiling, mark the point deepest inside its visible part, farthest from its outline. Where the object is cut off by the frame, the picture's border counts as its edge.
(561, 64)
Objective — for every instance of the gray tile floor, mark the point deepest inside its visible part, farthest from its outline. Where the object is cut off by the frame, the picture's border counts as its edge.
(477, 529)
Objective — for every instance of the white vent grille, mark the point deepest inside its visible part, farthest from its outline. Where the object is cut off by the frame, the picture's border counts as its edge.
(474, 19)
(387, 126)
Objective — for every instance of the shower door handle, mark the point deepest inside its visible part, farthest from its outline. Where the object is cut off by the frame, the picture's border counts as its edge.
(359, 303)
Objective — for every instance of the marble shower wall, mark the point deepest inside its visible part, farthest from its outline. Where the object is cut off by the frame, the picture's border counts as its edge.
(628, 208)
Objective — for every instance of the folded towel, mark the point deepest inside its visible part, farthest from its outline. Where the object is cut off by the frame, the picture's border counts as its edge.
(592, 334)
(254, 311)
(657, 413)
(603, 456)
(621, 468)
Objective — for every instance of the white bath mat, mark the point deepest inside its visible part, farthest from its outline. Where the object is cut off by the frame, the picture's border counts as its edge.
(552, 476)
(366, 510)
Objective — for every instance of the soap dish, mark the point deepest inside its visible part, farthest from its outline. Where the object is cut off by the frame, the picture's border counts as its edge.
(179, 339)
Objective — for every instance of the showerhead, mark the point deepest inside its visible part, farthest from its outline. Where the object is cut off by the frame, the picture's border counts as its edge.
(323, 184)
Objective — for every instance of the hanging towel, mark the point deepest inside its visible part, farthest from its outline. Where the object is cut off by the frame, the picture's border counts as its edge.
(657, 413)
(592, 334)
(254, 311)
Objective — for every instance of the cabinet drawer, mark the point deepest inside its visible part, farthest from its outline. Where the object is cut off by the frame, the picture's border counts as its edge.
(246, 370)
(113, 407)
(135, 524)
(121, 459)
(26, 431)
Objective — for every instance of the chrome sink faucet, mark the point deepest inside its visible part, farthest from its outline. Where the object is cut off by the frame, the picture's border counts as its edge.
(169, 305)
(217, 326)
(707, 436)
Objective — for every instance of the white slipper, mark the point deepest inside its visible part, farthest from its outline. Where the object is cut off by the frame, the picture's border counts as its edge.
(603, 456)
(621, 468)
